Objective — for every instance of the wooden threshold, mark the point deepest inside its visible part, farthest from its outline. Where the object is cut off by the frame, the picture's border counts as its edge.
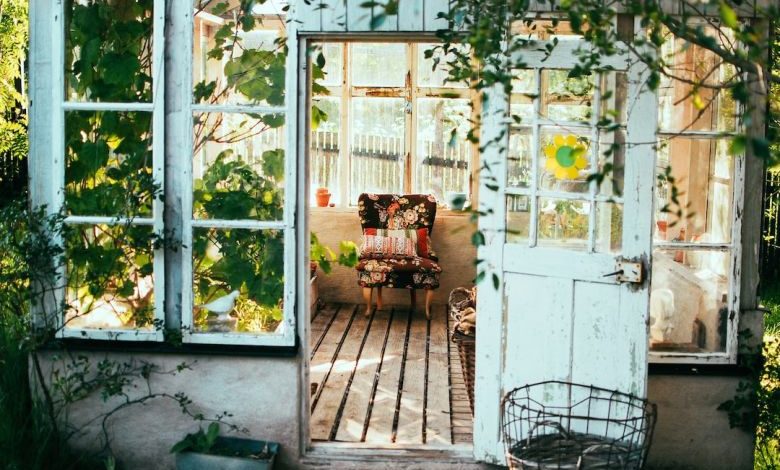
(391, 381)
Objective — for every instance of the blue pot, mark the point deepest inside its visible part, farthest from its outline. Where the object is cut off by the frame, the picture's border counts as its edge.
(234, 445)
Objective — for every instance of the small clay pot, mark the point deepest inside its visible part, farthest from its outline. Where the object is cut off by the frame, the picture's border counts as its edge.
(323, 198)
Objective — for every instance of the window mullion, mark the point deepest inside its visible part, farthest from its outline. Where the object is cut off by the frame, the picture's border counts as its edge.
(410, 132)
(344, 166)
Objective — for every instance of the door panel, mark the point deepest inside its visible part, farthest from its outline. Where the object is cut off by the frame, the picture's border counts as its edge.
(554, 240)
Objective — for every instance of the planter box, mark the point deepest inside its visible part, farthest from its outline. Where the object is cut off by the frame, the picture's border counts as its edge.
(197, 461)
(314, 297)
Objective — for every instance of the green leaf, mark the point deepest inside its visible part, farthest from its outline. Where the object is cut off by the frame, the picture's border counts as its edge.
(119, 69)
(728, 16)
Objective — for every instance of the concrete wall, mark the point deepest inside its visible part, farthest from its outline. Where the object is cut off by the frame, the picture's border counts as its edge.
(262, 394)
(451, 240)
(691, 434)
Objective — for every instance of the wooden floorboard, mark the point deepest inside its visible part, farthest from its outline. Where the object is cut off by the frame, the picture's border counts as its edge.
(324, 415)
(353, 417)
(437, 410)
(393, 378)
(380, 425)
(410, 416)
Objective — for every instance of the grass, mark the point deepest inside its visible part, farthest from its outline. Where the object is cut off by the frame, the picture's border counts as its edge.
(767, 452)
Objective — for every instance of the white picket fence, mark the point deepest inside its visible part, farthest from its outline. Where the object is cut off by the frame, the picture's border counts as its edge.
(377, 164)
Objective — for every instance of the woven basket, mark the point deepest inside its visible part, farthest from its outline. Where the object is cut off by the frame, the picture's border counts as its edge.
(466, 352)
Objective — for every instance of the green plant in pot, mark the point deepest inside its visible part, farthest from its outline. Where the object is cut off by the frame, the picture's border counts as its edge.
(207, 449)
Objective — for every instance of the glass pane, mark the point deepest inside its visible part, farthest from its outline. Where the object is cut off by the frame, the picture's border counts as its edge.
(238, 166)
(609, 227)
(563, 224)
(685, 107)
(238, 280)
(612, 162)
(334, 63)
(108, 158)
(324, 148)
(566, 99)
(564, 160)
(427, 76)
(238, 54)
(535, 29)
(699, 174)
(518, 173)
(108, 51)
(689, 300)
(378, 154)
(524, 89)
(518, 218)
(614, 98)
(110, 282)
(378, 64)
(443, 152)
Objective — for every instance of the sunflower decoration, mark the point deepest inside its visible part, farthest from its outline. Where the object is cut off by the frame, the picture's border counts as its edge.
(566, 156)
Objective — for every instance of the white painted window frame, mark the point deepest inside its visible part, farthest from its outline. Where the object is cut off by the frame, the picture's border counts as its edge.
(287, 335)
(345, 92)
(57, 176)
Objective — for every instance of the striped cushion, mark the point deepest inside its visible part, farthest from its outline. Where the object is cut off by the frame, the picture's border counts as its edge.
(418, 236)
(379, 246)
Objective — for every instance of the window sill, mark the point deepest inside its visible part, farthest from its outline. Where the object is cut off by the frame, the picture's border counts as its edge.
(152, 347)
(440, 212)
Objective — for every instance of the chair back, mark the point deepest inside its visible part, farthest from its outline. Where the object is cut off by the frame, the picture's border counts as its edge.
(397, 212)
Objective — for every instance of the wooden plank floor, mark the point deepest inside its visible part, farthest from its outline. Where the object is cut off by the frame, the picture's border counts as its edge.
(392, 378)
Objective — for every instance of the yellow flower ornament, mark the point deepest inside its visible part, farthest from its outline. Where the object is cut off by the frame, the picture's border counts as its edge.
(565, 157)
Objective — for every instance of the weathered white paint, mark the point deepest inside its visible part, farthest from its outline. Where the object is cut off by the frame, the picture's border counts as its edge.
(555, 316)
(341, 16)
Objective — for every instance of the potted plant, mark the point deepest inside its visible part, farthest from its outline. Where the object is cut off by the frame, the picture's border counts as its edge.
(208, 450)
(321, 257)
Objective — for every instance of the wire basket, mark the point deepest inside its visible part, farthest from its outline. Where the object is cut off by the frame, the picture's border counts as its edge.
(561, 425)
(466, 350)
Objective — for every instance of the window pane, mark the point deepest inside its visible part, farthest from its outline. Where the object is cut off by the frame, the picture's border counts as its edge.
(612, 162)
(334, 63)
(324, 148)
(564, 160)
(426, 76)
(238, 54)
(519, 159)
(566, 99)
(563, 224)
(108, 158)
(110, 283)
(378, 64)
(518, 218)
(685, 107)
(524, 90)
(443, 151)
(689, 300)
(249, 263)
(108, 51)
(536, 29)
(609, 227)
(699, 173)
(238, 166)
(378, 154)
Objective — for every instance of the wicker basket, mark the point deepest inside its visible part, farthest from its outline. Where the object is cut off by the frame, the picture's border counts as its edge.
(466, 352)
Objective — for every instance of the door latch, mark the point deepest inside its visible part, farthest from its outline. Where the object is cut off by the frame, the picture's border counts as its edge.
(627, 271)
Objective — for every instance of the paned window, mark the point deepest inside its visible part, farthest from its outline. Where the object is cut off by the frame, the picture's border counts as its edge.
(695, 292)
(385, 122)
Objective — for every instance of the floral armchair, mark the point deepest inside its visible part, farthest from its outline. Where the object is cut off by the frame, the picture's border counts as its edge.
(405, 216)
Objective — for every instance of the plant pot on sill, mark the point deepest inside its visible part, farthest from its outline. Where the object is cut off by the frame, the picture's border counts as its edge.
(323, 197)
(235, 454)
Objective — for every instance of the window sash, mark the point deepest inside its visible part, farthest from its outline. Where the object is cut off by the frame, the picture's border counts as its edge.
(156, 108)
(287, 336)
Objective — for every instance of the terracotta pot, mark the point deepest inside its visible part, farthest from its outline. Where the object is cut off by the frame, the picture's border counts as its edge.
(323, 199)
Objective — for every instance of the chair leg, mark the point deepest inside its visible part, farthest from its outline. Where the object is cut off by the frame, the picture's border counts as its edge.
(367, 292)
(413, 297)
(428, 301)
(379, 298)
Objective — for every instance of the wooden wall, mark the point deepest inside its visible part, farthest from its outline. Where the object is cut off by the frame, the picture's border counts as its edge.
(451, 241)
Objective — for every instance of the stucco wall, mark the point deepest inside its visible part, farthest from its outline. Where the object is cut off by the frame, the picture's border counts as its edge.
(451, 240)
(262, 394)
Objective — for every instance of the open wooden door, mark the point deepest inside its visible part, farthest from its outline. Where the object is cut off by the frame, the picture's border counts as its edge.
(565, 295)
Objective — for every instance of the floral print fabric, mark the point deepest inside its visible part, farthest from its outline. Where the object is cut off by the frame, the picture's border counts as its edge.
(386, 213)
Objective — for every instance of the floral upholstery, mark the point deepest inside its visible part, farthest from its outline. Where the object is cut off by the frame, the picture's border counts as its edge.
(395, 212)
